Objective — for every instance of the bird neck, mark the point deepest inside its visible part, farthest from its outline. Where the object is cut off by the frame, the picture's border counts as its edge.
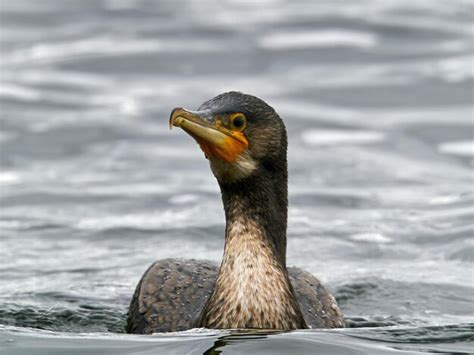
(252, 289)
(259, 204)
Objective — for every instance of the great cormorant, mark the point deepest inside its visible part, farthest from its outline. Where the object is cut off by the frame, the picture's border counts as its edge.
(245, 142)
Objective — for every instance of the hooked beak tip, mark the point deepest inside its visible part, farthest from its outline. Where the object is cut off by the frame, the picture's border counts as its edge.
(175, 118)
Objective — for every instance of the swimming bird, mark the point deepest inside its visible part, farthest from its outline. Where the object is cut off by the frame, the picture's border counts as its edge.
(245, 141)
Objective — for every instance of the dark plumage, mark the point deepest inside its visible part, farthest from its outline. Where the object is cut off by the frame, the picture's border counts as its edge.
(245, 142)
(172, 293)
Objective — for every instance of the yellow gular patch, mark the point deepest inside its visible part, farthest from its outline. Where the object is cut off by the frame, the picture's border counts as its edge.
(229, 150)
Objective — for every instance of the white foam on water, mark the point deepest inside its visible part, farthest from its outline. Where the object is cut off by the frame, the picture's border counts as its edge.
(9, 177)
(321, 38)
(19, 92)
(336, 137)
(444, 199)
(455, 69)
(463, 148)
(183, 199)
(370, 238)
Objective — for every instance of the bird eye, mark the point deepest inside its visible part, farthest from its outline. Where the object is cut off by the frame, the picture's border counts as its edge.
(238, 122)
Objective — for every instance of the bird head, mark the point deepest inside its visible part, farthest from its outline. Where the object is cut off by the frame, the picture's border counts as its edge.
(239, 134)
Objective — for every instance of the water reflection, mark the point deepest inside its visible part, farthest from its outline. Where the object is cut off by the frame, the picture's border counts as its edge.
(238, 337)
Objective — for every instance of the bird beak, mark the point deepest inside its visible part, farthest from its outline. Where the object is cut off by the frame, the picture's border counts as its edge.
(215, 140)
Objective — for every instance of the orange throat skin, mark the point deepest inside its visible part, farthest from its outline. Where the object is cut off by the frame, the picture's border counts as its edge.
(229, 151)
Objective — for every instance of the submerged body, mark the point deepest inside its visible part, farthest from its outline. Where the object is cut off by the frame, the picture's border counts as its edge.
(245, 142)
(173, 292)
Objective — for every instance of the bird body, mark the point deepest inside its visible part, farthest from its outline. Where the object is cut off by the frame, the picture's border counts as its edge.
(245, 142)
(172, 293)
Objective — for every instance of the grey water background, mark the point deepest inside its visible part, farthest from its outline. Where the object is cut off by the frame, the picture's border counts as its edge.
(377, 98)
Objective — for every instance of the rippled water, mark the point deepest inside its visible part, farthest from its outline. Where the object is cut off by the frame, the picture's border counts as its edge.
(377, 97)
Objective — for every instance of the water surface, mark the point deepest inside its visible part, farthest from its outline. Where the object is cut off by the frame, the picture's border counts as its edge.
(377, 99)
